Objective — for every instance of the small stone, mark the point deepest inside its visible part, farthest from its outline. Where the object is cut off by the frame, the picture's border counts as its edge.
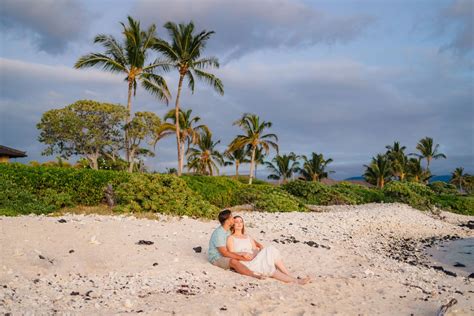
(73, 293)
(155, 264)
(71, 251)
(145, 242)
(197, 249)
(62, 220)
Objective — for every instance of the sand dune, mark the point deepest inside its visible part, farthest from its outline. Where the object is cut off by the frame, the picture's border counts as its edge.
(94, 265)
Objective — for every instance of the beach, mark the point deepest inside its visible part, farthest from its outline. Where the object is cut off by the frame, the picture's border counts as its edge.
(364, 260)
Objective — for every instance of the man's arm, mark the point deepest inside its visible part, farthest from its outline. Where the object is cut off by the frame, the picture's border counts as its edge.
(226, 253)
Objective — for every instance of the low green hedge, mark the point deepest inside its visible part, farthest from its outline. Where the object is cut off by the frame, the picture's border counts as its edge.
(165, 194)
(267, 198)
(414, 194)
(218, 191)
(456, 204)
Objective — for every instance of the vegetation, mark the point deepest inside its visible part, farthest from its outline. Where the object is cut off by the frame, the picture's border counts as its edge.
(130, 58)
(267, 198)
(184, 54)
(204, 158)
(254, 138)
(283, 167)
(427, 151)
(379, 171)
(314, 168)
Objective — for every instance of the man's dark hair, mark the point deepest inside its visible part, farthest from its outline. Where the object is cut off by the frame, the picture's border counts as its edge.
(224, 215)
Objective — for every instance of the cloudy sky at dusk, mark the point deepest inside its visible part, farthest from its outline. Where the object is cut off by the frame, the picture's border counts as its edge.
(342, 78)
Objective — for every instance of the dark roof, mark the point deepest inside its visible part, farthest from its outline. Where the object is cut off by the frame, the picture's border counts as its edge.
(10, 152)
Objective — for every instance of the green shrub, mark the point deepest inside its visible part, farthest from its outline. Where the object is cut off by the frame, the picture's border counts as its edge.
(358, 193)
(267, 198)
(165, 194)
(440, 187)
(457, 204)
(414, 194)
(218, 191)
(15, 200)
(316, 193)
(245, 180)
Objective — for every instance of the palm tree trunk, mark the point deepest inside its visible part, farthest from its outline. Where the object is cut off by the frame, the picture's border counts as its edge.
(127, 119)
(178, 138)
(236, 168)
(252, 162)
(181, 160)
(382, 182)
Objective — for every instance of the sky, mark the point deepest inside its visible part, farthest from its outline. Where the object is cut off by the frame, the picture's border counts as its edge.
(338, 77)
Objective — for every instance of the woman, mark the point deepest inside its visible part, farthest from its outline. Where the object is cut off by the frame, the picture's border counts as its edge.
(266, 260)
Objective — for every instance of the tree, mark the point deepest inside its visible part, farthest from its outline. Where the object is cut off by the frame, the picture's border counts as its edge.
(398, 159)
(260, 156)
(83, 128)
(379, 171)
(283, 167)
(458, 177)
(237, 157)
(130, 58)
(425, 147)
(144, 126)
(205, 158)
(415, 171)
(184, 54)
(189, 134)
(254, 137)
(314, 169)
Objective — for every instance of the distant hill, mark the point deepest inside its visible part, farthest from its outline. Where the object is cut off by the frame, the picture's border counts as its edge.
(443, 178)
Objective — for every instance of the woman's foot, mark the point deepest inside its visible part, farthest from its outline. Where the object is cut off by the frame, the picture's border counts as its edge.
(303, 281)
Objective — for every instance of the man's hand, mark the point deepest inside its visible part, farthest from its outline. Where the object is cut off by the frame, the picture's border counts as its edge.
(247, 257)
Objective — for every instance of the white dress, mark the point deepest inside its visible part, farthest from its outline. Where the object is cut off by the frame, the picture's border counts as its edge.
(264, 262)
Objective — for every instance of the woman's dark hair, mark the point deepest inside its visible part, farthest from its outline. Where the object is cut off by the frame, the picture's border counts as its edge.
(232, 230)
(224, 215)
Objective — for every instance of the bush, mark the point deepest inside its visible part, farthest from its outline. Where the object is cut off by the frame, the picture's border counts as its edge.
(218, 191)
(440, 187)
(74, 186)
(245, 180)
(359, 193)
(165, 194)
(414, 194)
(457, 204)
(267, 198)
(316, 193)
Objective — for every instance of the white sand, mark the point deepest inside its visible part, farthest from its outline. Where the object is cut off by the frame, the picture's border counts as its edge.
(114, 275)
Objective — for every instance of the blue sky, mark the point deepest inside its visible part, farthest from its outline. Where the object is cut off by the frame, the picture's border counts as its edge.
(342, 78)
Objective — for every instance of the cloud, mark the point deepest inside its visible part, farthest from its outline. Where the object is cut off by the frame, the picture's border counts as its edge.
(50, 24)
(458, 19)
(246, 26)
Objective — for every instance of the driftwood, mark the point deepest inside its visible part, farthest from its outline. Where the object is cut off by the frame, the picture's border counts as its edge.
(109, 195)
(444, 308)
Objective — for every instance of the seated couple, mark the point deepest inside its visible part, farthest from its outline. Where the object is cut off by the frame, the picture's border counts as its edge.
(230, 247)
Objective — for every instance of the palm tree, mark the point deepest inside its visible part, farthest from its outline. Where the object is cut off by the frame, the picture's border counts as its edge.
(425, 147)
(379, 171)
(130, 58)
(254, 137)
(189, 134)
(184, 54)
(398, 159)
(237, 157)
(459, 177)
(314, 169)
(205, 158)
(260, 156)
(283, 168)
(415, 171)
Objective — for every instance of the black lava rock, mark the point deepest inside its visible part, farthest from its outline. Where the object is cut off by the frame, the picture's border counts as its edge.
(145, 242)
(197, 249)
(62, 220)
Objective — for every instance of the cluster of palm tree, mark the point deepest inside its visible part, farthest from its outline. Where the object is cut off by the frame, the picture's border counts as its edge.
(395, 164)
(286, 167)
(131, 57)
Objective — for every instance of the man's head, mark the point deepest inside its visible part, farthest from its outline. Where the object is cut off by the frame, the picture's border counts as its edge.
(226, 218)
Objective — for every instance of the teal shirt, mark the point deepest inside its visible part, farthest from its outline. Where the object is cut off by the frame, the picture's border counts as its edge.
(218, 239)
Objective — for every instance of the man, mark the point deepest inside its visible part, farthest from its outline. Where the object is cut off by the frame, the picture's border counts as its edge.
(219, 255)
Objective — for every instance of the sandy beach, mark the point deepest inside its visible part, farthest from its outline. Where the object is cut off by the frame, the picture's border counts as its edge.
(96, 265)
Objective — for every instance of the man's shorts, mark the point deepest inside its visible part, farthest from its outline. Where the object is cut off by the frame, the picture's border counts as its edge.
(223, 263)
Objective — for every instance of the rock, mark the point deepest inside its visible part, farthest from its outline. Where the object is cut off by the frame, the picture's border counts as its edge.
(74, 293)
(71, 251)
(471, 276)
(197, 249)
(62, 220)
(155, 264)
(459, 265)
(145, 242)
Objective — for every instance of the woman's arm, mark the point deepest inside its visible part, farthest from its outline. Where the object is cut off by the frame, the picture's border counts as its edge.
(256, 245)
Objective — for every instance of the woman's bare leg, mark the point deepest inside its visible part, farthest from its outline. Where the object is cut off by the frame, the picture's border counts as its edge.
(280, 266)
(288, 279)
